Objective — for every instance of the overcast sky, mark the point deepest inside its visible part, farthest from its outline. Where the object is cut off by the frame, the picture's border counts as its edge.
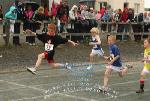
(147, 4)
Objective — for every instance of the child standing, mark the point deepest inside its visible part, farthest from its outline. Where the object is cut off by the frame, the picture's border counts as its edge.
(146, 68)
(113, 63)
(96, 43)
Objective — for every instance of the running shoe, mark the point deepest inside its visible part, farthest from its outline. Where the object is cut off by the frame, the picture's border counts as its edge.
(32, 70)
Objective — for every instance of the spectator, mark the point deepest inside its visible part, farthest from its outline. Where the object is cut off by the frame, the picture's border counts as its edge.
(28, 24)
(78, 24)
(130, 19)
(19, 12)
(12, 13)
(38, 18)
(146, 24)
(116, 27)
(85, 20)
(1, 13)
(73, 15)
(39, 15)
(85, 13)
(92, 14)
(117, 15)
(92, 20)
(98, 19)
(105, 18)
(111, 19)
(54, 9)
(19, 9)
(139, 27)
(124, 20)
(149, 16)
(98, 16)
(124, 17)
(11, 16)
(102, 11)
(115, 19)
(131, 15)
(56, 4)
(46, 12)
(149, 21)
(63, 14)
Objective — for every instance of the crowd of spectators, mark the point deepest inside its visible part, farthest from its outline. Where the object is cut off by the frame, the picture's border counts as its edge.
(82, 18)
(1, 13)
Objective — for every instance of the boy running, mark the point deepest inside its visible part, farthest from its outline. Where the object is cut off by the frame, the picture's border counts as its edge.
(96, 43)
(113, 62)
(146, 68)
(51, 41)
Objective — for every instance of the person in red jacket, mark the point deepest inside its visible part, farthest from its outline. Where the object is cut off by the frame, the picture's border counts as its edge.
(124, 19)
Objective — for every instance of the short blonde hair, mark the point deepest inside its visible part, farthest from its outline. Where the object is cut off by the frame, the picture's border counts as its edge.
(112, 37)
(41, 9)
(94, 30)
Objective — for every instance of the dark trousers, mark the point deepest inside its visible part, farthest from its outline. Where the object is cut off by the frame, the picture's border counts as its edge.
(32, 27)
(16, 40)
(6, 31)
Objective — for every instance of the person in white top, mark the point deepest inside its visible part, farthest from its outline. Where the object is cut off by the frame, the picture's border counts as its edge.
(96, 43)
(73, 15)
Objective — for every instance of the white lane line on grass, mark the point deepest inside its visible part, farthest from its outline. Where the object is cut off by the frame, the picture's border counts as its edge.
(46, 76)
(21, 85)
(2, 90)
(24, 86)
(77, 97)
(35, 97)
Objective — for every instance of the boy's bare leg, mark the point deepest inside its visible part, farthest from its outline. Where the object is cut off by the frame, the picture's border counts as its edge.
(123, 72)
(91, 58)
(38, 63)
(142, 77)
(55, 65)
(106, 77)
(39, 60)
(91, 61)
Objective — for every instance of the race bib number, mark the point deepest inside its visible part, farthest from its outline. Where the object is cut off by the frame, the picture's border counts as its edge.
(49, 47)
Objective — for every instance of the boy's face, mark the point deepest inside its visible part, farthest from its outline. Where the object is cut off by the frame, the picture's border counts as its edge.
(51, 32)
(40, 11)
(49, 41)
(110, 40)
(93, 33)
(146, 44)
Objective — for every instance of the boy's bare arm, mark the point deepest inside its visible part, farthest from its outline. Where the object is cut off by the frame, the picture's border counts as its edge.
(96, 43)
(114, 59)
(73, 43)
(29, 32)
